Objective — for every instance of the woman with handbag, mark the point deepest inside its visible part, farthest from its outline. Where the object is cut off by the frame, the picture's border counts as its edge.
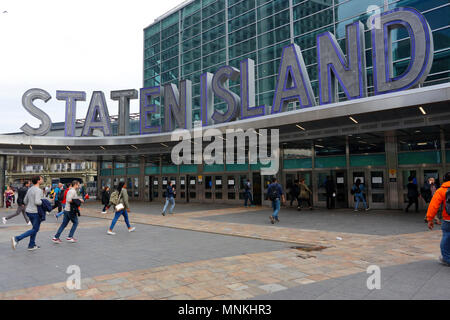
(121, 208)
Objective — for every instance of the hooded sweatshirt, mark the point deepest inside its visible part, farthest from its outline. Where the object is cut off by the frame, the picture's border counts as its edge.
(438, 199)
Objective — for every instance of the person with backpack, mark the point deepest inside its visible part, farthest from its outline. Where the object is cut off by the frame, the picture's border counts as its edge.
(119, 200)
(427, 192)
(442, 198)
(59, 196)
(169, 194)
(358, 191)
(70, 214)
(33, 200)
(413, 194)
(275, 194)
(248, 193)
(295, 193)
(20, 205)
(305, 194)
(105, 199)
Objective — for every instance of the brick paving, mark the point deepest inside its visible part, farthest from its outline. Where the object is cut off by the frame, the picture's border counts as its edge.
(244, 276)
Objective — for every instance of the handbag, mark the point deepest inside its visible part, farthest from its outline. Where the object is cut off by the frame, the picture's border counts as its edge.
(120, 207)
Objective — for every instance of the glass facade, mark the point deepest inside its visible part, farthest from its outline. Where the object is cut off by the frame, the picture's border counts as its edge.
(206, 34)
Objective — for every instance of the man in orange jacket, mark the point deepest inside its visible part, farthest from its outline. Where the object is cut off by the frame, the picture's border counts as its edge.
(440, 198)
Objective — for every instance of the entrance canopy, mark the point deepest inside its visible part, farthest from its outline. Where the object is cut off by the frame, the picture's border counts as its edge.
(374, 114)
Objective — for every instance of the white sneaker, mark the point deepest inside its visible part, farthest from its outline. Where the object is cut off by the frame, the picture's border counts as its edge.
(13, 243)
(367, 209)
(131, 229)
(110, 232)
(103, 212)
(4, 220)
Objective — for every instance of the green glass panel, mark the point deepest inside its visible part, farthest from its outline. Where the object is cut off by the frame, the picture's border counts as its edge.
(331, 162)
(133, 171)
(120, 172)
(236, 167)
(368, 160)
(419, 157)
(151, 170)
(305, 163)
(213, 168)
(257, 167)
(448, 156)
(170, 169)
(105, 172)
(189, 168)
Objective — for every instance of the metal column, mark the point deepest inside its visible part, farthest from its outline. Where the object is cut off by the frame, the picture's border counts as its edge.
(393, 200)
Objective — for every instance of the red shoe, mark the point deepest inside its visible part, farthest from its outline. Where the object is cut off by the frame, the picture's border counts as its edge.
(56, 240)
(73, 240)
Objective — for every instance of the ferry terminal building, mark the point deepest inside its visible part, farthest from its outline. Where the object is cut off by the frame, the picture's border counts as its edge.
(381, 139)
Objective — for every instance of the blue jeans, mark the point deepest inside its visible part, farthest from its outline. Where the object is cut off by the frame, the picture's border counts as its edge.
(276, 208)
(172, 201)
(67, 218)
(117, 216)
(445, 242)
(247, 196)
(36, 222)
(358, 199)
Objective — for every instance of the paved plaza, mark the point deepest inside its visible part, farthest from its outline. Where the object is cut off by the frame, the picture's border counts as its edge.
(228, 252)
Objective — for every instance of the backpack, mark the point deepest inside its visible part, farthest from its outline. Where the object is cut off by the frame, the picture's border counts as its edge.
(114, 199)
(355, 190)
(61, 195)
(447, 201)
(273, 193)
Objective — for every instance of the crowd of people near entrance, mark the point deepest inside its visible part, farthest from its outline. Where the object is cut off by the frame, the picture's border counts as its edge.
(34, 205)
(436, 197)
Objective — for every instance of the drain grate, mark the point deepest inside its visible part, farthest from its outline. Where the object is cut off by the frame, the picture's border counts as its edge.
(308, 248)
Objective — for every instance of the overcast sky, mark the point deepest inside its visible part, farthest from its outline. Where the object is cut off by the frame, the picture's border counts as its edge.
(70, 45)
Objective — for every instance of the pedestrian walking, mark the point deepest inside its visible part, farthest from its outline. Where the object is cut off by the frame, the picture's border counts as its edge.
(330, 189)
(70, 214)
(428, 190)
(32, 200)
(305, 194)
(105, 199)
(358, 191)
(8, 195)
(59, 196)
(276, 195)
(20, 204)
(441, 198)
(119, 199)
(248, 193)
(295, 193)
(170, 198)
(413, 194)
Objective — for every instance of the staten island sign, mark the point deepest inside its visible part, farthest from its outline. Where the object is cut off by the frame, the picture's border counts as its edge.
(293, 83)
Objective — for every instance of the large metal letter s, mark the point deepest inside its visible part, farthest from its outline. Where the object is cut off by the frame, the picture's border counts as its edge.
(27, 102)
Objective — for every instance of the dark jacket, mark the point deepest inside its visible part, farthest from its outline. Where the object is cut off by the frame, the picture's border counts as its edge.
(105, 197)
(22, 193)
(75, 207)
(413, 190)
(330, 188)
(44, 208)
(295, 190)
(169, 193)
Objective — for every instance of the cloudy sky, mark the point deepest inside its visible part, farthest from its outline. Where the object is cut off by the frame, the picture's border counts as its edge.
(70, 45)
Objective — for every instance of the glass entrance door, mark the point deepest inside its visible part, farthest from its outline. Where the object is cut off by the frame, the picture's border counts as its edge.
(377, 189)
(232, 188)
(182, 189)
(191, 189)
